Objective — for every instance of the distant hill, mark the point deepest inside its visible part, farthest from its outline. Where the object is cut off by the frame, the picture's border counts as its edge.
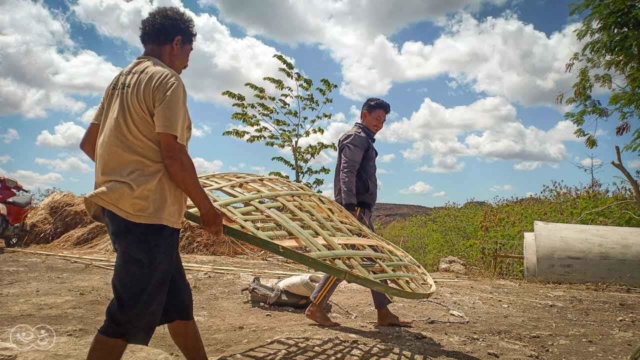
(388, 213)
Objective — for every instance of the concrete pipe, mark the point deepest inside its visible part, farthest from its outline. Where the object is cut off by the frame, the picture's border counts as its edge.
(571, 253)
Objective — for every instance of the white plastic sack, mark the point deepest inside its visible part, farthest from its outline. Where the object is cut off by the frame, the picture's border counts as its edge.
(302, 285)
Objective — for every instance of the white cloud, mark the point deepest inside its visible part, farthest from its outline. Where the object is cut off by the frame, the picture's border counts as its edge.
(501, 188)
(204, 166)
(10, 136)
(5, 159)
(387, 158)
(321, 160)
(88, 115)
(31, 180)
(312, 21)
(633, 164)
(419, 188)
(514, 141)
(327, 190)
(440, 194)
(383, 172)
(528, 165)
(587, 162)
(331, 135)
(46, 74)
(530, 194)
(219, 62)
(443, 164)
(202, 131)
(488, 128)
(66, 135)
(66, 165)
(439, 124)
(498, 56)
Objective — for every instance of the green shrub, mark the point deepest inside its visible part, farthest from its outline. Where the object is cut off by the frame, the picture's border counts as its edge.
(476, 231)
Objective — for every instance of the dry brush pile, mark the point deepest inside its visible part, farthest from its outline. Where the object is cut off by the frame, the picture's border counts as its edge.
(61, 222)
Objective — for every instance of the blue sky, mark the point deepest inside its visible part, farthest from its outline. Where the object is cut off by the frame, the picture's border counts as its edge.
(471, 85)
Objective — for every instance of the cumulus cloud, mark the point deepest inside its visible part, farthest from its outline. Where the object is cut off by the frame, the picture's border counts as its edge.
(219, 62)
(65, 165)
(387, 158)
(634, 164)
(32, 180)
(46, 74)
(498, 55)
(419, 188)
(204, 166)
(5, 159)
(443, 164)
(201, 131)
(66, 135)
(487, 128)
(528, 165)
(440, 194)
(10, 136)
(87, 116)
(588, 162)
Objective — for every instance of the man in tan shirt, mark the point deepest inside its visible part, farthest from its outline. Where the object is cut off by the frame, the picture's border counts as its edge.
(138, 140)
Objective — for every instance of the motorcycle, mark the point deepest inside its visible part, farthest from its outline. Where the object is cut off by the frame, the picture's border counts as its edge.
(13, 211)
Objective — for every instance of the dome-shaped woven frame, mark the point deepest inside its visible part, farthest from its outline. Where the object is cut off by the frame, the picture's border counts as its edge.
(290, 220)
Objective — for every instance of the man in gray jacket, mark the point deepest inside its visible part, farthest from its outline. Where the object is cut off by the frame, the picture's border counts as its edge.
(356, 188)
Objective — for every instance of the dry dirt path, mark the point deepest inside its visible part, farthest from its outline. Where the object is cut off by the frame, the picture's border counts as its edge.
(508, 319)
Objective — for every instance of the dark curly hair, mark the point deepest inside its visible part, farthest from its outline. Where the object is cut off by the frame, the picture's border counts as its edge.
(373, 104)
(163, 25)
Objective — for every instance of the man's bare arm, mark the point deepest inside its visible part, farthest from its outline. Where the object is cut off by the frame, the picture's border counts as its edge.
(89, 140)
(183, 173)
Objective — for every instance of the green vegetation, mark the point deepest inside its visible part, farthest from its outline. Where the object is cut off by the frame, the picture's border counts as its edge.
(287, 117)
(609, 60)
(475, 231)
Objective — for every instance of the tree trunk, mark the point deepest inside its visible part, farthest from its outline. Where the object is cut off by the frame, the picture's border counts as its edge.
(294, 150)
(634, 183)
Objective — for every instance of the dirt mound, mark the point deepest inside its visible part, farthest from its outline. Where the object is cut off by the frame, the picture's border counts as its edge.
(386, 214)
(61, 222)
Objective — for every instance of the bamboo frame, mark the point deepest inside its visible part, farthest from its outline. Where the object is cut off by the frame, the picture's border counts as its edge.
(290, 220)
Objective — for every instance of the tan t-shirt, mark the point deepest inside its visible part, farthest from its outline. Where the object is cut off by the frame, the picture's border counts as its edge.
(147, 97)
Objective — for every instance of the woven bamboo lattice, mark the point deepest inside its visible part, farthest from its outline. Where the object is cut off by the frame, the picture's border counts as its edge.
(290, 220)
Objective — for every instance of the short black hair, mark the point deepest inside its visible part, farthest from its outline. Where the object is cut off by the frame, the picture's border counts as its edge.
(163, 25)
(373, 104)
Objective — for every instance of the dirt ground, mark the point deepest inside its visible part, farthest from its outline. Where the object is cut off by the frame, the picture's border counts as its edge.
(507, 319)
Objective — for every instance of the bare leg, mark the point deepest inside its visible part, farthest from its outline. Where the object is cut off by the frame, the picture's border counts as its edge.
(319, 298)
(387, 318)
(106, 348)
(186, 336)
(315, 313)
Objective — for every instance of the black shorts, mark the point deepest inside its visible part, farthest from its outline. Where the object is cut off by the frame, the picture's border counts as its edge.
(149, 285)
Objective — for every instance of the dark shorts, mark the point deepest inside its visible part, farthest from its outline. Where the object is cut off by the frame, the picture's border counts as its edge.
(149, 285)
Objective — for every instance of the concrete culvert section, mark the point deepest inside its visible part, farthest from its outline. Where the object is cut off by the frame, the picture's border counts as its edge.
(569, 253)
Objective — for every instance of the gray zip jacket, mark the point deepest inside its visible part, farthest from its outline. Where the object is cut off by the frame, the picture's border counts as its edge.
(355, 182)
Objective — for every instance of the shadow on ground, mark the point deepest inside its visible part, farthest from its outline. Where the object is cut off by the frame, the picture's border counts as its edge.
(336, 348)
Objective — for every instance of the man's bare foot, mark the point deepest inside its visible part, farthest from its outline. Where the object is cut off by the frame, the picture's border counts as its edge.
(387, 318)
(315, 313)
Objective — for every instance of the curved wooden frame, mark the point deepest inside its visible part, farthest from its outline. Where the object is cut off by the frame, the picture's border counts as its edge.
(290, 220)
